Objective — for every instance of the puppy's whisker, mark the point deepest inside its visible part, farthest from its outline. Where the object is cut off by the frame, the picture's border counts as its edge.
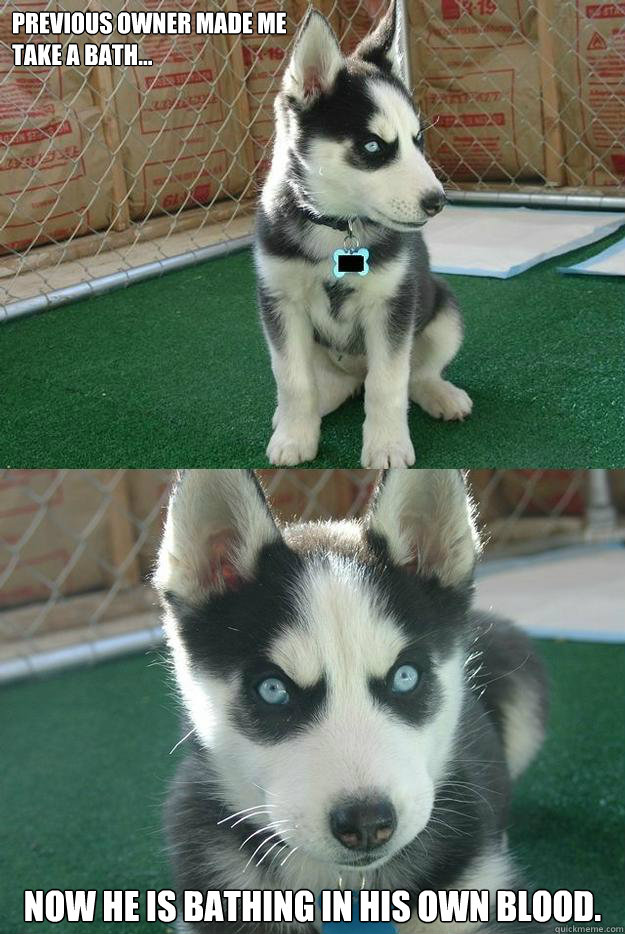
(180, 742)
(272, 847)
(251, 817)
(456, 830)
(443, 810)
(270, 826)
(428, 124)
(288, 856)
(265, 790)
(276, 855)
(259, 847)
(254, 807)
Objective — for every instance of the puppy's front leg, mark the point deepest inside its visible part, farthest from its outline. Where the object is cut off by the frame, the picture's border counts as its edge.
(386, 439)
(296, 421)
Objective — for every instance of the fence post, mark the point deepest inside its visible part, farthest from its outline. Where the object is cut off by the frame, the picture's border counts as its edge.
(600, 511)
(404, 45)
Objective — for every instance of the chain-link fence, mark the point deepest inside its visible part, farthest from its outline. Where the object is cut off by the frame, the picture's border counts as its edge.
(109, 174)
(77, 546)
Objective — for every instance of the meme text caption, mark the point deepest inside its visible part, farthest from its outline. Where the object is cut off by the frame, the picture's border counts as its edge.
(302, 906)
(139, 23)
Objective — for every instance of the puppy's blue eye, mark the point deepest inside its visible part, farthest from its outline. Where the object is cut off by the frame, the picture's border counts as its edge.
(273, 691)
(405, 679)
(372, 146)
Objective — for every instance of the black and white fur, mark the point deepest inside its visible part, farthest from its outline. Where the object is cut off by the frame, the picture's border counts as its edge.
(395, 329)
(332, 609)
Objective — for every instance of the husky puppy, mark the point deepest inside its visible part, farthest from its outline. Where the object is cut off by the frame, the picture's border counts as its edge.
(351, 718)
(349, 149)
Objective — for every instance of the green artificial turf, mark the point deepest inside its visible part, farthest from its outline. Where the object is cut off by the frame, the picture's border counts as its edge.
(174, 372)
(85, 761)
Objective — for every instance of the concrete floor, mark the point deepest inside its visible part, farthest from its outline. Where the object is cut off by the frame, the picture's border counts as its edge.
(576, 593)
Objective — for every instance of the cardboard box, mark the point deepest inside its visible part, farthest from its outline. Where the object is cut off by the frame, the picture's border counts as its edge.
(587, 58)
(53, 520)
(356, 19)
(55, 179)
(179, 118)
(476, 75)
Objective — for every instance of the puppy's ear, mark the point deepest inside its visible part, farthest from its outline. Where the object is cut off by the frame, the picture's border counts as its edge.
(426, 518)
(315, 60)
(381, 47)
(217, 522)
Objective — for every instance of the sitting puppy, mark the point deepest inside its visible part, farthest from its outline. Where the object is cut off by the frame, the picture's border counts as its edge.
(349, 175)
(351, 719)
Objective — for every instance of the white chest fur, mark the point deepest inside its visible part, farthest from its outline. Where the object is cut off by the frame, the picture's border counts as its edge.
(336, 307)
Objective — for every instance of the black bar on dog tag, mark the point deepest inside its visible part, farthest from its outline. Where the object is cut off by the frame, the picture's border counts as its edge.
(351, 262)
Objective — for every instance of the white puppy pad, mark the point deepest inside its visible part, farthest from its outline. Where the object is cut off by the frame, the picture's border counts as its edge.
(610, 262)
(575, 593)
(502, 242)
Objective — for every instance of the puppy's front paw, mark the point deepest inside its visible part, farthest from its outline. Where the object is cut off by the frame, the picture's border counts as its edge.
(383, 450)
(441, 399)
(292, 444)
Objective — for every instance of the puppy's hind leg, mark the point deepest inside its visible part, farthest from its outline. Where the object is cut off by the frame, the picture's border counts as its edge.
(333, 384)
(433, 348)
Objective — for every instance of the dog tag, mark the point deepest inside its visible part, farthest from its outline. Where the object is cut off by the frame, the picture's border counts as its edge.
(356, 925)
(351, 261)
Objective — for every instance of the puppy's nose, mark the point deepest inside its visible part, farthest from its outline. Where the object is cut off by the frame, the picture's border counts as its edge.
(363, 824)
(433, 202)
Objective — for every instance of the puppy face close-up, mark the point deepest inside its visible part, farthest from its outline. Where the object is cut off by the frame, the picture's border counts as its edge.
(356, 138)
(323, 665)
